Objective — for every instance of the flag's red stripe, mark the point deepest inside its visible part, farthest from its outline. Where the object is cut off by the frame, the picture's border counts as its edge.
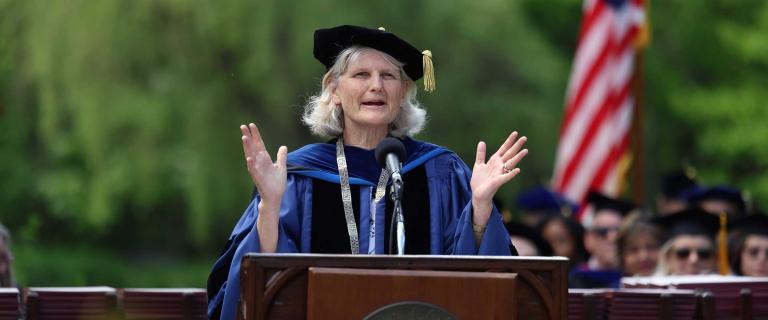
(585, 85)
(590, 18)
(595, 70)
(611, 162)
(606, 112)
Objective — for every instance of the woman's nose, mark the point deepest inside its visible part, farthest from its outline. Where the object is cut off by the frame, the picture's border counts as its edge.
(376, 83)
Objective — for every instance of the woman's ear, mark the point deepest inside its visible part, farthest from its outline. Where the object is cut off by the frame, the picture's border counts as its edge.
(335, 100)
(332, 84)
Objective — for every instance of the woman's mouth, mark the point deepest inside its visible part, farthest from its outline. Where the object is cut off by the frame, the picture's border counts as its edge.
(374, 103)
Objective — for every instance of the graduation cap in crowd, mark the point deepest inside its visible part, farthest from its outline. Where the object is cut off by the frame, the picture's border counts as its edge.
(697, 222)
(692, 221)
(677, 185)
(522, 231)
(330, 42)
(728, 194)
(601, 202)
(543, 200)
(756, 223)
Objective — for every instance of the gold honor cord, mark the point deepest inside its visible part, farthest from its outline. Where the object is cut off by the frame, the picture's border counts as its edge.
(722, 245)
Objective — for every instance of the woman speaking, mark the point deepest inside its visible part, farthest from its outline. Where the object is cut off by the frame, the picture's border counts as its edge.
(333, 198)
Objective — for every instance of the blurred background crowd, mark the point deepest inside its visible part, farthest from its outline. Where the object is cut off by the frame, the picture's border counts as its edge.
(121, 160)
(691, 229)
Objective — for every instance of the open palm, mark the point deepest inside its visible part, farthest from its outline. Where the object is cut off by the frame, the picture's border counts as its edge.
(501, 167)
(270, 178)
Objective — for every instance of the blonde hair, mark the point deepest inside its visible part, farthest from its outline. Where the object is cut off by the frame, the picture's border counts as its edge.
(324, 119)
(662, 268)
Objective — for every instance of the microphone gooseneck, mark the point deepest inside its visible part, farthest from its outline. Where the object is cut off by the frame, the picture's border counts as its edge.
(389, 154)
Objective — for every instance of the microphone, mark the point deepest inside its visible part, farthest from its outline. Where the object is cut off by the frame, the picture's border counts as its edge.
(389, 154)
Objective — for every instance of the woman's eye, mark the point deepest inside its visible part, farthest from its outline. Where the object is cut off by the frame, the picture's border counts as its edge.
(361, 74)
(388, 76)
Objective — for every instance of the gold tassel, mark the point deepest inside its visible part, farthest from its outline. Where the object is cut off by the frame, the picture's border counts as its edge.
(429, 71)
(722, 245)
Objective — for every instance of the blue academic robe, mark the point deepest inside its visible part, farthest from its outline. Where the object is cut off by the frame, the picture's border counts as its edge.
(450, 213)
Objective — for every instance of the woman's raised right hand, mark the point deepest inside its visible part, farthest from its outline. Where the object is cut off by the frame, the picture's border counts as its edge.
(270, 178)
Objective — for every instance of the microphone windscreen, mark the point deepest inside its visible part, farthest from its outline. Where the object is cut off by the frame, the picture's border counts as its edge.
(386, 146)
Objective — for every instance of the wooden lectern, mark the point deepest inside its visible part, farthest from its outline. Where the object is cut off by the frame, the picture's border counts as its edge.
(314, 286)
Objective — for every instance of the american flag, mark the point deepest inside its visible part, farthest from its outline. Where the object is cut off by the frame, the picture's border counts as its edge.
(593, 150)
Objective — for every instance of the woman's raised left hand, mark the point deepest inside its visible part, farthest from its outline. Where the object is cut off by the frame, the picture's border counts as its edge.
(489, 176)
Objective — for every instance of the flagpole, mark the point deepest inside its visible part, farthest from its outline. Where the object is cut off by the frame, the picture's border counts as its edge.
(638, 150)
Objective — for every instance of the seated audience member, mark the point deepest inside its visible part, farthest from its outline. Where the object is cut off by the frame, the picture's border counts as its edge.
(690, 246)
(719, 199)
(638, 244)
(565, 236)
(675, 189)
(602, 225)
(750, 254)
(527, 240)
(540, 203)
(6, 259)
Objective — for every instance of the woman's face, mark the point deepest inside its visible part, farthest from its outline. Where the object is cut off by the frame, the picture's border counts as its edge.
(370, 92)
(690, 255)
(754, 256)
(640, 255)
(558, 237)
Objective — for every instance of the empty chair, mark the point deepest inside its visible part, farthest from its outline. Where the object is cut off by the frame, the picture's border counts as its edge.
(155, 304)
(9, 304)
(652, 304)
(80, 303)
(731, 297)
(587, 304)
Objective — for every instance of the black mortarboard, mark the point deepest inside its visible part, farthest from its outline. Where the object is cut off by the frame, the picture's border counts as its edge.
(541, 199)
(676, 185)
(692, 221)
(721, 192)
(330, 42)
(756, 223)
(600, 201)
(523, 231)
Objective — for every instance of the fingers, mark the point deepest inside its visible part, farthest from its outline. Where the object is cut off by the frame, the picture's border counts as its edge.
(247, 151)
(282, 156)
(509, 175)
(480, 156)
(507, 144)
(512, 163)
(246, 141)
(253, 147)
(257, 142)
(514, 149)
(252, 142)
